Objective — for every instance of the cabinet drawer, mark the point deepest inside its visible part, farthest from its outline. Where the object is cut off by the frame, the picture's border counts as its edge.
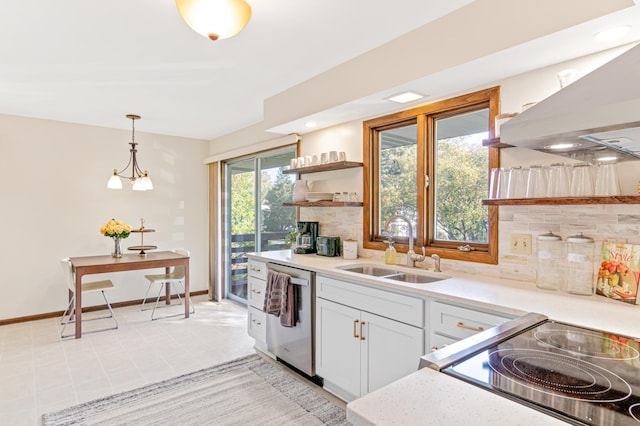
(459, 322)
(257, 269)
(257, 289)
(406, 309)
(257, 326)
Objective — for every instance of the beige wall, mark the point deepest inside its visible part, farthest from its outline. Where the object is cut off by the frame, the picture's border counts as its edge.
(53, 178)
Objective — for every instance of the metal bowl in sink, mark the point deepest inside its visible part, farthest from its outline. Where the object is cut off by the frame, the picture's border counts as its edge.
(373, 270)
(414, 278)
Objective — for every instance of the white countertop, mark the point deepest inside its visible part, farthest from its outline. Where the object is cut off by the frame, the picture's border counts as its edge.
(427, 396)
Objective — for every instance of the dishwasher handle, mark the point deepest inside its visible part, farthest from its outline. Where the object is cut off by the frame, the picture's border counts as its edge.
(299, 281)
(292, 272)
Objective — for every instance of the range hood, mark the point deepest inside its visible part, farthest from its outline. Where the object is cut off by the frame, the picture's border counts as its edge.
(596, 116)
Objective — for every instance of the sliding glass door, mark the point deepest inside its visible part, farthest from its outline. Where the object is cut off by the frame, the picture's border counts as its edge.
(255, 218)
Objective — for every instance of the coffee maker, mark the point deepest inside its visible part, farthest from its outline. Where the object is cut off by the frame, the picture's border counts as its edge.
(307, 235)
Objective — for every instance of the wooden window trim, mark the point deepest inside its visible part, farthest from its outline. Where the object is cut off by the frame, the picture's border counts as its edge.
(423, 116)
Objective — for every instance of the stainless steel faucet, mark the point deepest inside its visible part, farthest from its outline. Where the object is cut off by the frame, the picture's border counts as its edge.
(412, 257)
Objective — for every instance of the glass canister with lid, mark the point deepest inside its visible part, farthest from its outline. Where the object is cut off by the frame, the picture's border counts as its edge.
(550, 274)
(580, 252)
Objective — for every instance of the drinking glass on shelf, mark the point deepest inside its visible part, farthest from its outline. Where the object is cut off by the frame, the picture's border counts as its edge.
(607, 183)
(581, 181)
(300, 162)
(342, 156)
(337, 196)
(503, 185)
(324, 158)
(536, 182)
(293, 163)
(516, 186)
(333, 156)
(559, 183)
(494, 183)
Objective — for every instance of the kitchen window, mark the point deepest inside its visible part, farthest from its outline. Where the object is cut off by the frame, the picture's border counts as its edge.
(428, 165)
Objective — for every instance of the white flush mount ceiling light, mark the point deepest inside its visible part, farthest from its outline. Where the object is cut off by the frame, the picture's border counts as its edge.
(403, 98)
(613, 33)
(215, 19)
(311, 124)
(139, 178)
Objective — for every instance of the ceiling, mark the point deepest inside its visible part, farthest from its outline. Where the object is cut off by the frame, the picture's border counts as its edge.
(93, 62)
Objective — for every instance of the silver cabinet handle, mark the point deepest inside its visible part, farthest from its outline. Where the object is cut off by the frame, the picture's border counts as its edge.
(468, 327)
(256, 322)
(253, 268)
(255, 291)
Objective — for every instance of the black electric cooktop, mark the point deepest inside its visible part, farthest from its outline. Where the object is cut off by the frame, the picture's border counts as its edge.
(579, 375)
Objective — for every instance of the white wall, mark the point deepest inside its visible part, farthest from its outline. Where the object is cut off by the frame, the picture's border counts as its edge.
(53, 179)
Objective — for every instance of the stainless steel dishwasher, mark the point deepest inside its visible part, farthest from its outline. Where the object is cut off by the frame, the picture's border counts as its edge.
(295, 346)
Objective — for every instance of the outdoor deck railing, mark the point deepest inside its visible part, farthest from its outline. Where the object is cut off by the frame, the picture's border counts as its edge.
(241, 244)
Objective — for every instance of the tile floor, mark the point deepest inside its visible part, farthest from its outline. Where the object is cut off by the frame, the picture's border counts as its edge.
(39, 372)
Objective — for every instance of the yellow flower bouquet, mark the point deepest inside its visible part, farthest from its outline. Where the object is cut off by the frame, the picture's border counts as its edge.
(115, 229)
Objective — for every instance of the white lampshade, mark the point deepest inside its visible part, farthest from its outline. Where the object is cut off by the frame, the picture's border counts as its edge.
(215, 19)
(145, 181)
(137, 185)
(142, 183)
(114, 182)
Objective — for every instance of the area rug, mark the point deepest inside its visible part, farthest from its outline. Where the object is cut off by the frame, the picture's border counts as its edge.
(246, 391)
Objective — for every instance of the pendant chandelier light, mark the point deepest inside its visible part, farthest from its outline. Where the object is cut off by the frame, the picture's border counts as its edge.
(139, 178)
(215, 19)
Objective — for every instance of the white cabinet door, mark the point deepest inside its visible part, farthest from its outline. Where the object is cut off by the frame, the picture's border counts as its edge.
(392, 350)
(338, 348)
(358, 352)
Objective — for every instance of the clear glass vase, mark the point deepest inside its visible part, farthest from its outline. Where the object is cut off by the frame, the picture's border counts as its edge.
(117, 247)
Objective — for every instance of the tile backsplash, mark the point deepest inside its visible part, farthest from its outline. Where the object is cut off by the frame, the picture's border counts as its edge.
(602, 222)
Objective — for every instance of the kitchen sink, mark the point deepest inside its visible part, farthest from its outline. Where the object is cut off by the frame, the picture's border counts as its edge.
(396, 274)
(376, 271)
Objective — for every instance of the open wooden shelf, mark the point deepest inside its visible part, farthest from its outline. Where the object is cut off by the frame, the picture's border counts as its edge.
(618, 199)
(324, 167)
(495, 143)
(324, 204)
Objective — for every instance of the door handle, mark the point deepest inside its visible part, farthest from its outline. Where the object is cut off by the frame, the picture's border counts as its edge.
(468, 327)
(361, 333)
(355, 324)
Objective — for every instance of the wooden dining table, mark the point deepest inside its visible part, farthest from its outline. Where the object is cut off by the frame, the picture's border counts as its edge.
(87, 265)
